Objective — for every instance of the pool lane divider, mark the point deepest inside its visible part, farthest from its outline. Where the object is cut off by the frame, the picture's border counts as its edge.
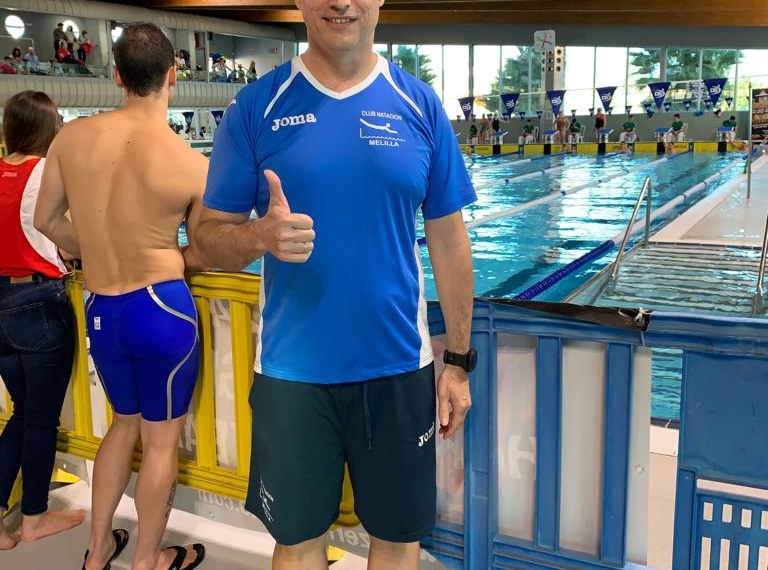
(556, 276)
(558, 194)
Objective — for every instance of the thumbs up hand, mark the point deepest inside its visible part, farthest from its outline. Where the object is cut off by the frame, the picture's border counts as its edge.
(288, 236)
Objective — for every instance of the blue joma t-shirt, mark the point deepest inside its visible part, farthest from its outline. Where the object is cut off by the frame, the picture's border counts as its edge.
(360, 163)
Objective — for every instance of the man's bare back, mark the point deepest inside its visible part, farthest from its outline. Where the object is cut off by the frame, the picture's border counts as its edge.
(129, 181)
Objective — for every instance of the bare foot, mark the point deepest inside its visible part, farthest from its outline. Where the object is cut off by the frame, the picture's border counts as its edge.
(7, 541)
(40, 526)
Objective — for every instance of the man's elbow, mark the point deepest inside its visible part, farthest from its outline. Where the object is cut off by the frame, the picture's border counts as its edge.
(43, 224)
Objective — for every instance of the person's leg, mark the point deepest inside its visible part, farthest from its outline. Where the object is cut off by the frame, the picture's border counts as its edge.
(11, 439)
(295, 480)
(385, 555)
(391, 458)
(43, 334)
(155, 489)
(308, 555)
(111, 474)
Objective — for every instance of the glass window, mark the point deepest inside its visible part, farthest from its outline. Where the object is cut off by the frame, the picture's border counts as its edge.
(579, 78)
(644, 67)
(456, 78)
(381, 49)
(406, 57)
(14, 26)
(485, 73)
(117, 31)
(431, 67)
(751, 70)
(611, 71)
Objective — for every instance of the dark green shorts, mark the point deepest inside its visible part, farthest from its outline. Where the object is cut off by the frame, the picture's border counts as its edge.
(303, 434)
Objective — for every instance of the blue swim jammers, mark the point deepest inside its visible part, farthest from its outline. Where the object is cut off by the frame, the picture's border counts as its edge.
(145, 347)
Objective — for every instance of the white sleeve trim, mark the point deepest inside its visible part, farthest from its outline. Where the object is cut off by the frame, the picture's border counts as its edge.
(41, 244)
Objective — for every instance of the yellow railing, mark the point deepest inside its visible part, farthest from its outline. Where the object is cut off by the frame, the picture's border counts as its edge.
(223, 295)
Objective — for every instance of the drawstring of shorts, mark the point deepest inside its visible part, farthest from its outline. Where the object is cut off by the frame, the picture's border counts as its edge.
(367, 415)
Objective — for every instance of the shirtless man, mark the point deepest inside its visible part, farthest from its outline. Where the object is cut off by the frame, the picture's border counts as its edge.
(128, 181)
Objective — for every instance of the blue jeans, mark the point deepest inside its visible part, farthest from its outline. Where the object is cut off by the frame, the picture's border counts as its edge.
(37, 340)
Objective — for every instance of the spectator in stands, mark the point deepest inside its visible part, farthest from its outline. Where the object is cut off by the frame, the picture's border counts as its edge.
(185, 57)
(730, 122)
(221, 71)
(71, 39)
(58, 36)
(6, 66)
(19, 66)
(628, 133)
(495, 126)
(32, 61)
(86, 46)
(561, 126)
(180, 63)
(251, 75)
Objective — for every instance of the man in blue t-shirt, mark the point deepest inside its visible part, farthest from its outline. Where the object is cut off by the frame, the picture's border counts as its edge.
(337, 151)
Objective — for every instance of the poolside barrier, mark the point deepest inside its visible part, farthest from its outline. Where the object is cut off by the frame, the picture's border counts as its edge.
(551, 469)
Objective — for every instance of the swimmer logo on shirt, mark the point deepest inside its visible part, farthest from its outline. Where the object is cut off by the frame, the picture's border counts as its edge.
(379, 129)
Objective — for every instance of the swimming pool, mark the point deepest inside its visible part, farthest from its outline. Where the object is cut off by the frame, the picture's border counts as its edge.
(515, 251)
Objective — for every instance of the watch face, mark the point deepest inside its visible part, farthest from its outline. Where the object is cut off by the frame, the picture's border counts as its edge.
(471, 360)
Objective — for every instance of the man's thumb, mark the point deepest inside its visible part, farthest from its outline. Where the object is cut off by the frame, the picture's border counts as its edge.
(276, 194)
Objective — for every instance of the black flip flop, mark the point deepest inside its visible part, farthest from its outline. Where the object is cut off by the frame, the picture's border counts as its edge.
(121, 539)
(181, 554)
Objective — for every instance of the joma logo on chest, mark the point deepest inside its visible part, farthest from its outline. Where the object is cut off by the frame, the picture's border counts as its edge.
(293, 121)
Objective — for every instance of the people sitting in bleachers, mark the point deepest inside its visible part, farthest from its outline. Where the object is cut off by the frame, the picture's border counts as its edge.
(628, 134)
(6, 66)
(528, 130)
(251, 75)
(55, 68)
(32, 62)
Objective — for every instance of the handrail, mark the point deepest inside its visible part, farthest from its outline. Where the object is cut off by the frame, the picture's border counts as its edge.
(758, 306)
(646, 190)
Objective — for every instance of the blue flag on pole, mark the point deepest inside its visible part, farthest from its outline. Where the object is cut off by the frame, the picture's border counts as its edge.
(509, 100)
(715, 88)
(555, 97)
(606, 95)
(188, 117)
(659, 92)
(467, 103)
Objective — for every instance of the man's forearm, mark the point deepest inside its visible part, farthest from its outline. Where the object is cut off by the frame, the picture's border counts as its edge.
(455, 288)
(228, 246)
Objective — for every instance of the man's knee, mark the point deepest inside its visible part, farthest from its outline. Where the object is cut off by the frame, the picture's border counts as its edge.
(303, 550)
(405, 553)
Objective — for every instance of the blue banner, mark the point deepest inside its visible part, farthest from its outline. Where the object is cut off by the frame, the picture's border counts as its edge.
(539, 113)
(686, 104)
(217, 116)
(556, 100)
(509, 100)
(628, 109)
(606, 95)
(715, 88)
(573, 113)
(667, 106)
(728, 101)
(188, 115)
(659, 92)
(467, 104)
(522, 114)
(591, 111)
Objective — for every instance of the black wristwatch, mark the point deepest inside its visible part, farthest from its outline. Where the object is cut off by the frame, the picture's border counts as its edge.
(466, 361)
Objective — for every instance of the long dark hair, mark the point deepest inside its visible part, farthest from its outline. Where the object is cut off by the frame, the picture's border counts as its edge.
(30, 123)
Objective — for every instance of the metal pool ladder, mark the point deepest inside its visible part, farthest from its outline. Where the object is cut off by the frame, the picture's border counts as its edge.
(645, 192)
(758, 301)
